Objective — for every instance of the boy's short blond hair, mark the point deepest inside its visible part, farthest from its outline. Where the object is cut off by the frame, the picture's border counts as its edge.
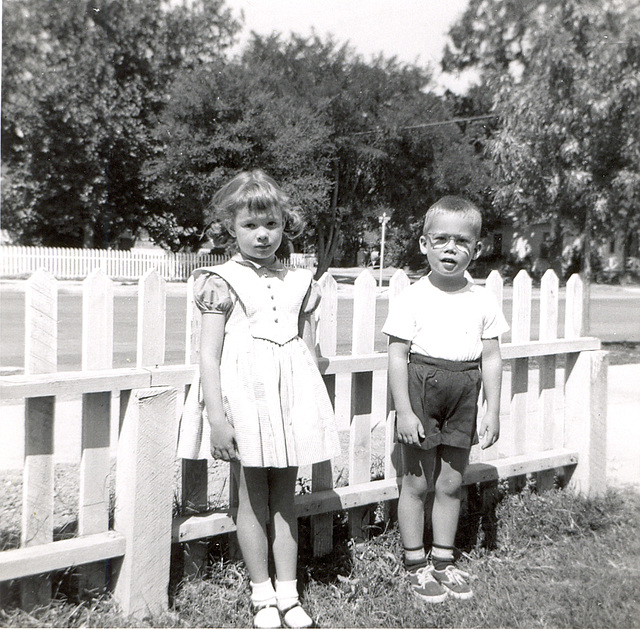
(454, 205)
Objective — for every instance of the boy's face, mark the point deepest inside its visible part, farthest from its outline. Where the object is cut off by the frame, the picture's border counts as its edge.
(450, 245)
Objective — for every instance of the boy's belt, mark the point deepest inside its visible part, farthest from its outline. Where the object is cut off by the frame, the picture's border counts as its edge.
(443, 363)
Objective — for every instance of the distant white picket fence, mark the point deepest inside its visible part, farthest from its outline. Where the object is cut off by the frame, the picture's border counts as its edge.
(69, 264)
(553, 416)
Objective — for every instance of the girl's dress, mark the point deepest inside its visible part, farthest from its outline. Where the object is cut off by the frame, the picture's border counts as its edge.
(272, 391)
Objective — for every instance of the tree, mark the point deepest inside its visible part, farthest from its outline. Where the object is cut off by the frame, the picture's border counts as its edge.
(563, 78)
(568, 144)
(343, 136)
(81, 93)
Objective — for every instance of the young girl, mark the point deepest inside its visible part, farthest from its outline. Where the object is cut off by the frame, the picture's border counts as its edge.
(266, 403)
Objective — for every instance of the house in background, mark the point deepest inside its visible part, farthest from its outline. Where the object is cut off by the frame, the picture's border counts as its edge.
(531, 246)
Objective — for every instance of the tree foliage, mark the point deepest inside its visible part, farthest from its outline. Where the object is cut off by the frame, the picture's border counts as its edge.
(346, 138)
(565, 80)
(82, 85)
(568, 145)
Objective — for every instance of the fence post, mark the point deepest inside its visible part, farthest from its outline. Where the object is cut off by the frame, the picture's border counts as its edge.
(97, 353)
(364, 317)
(144, 501)
(41, 351)
(322, 473)
(586, 419)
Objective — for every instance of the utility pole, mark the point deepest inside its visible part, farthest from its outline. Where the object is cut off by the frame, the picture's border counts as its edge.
(384, 219)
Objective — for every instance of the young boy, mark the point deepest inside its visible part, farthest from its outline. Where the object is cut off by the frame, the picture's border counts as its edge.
(443, 340)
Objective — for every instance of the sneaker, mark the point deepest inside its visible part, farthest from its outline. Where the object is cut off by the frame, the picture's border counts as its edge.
(425, 586)
(453, 580)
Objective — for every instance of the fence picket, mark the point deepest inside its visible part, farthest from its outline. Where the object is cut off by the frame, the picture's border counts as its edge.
(322, 474)
(151, 319)
(364, 316)
(41, 351)
(520, 332)
(573, 320)
(195, 480)
(392, 455)
(495, 285)
(545, 435)
(97, 353)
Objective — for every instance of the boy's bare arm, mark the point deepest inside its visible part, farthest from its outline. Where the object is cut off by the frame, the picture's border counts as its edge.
(492, 385)
(408, 426)
(223, 444)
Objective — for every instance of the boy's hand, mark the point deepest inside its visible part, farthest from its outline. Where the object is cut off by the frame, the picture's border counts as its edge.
(489, 430)
(409, 429)
(223, 441)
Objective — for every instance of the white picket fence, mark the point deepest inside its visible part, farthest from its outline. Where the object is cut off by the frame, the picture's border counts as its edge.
(552, 419)
(68, 264)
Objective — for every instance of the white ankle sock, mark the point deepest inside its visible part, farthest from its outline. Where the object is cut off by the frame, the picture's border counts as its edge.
(263, 593)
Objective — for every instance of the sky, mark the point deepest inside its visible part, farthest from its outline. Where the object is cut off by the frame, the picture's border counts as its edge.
(414, 31)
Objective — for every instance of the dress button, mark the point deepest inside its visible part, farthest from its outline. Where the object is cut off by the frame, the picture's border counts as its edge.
(274, 308)
(276, 320)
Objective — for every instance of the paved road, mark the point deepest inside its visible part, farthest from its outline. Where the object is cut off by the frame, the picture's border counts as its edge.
(615, 317)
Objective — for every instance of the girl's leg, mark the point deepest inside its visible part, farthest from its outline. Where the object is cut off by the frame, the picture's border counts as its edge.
(284, 523)
(253, 496)
(284, 529)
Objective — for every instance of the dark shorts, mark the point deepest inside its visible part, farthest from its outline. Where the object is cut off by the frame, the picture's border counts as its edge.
(444, 396)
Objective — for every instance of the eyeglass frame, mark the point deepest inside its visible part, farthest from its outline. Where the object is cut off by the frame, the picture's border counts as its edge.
(462, 248)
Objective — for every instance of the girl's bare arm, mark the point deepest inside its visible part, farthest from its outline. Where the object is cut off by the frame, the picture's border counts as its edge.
(223, 444)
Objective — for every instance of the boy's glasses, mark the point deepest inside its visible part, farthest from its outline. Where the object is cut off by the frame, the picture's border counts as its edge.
(440, 241)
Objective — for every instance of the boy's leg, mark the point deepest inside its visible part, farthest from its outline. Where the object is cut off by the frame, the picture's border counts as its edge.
(284, 529)
(251, 525)
(417, 481)
(444, 519)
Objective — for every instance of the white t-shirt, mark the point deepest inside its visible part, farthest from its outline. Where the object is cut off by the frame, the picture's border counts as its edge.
(445, 325)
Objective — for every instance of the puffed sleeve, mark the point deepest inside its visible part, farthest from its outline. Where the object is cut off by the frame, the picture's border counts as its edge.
(312, 298)
(212, 294)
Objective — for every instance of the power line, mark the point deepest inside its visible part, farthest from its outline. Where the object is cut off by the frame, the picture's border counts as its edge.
(432, 124)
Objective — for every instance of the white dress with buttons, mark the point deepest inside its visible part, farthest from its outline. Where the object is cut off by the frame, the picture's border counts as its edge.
(272, 391)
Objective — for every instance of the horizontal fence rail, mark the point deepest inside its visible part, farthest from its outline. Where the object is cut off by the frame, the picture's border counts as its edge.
(552, 418)
(68, 263)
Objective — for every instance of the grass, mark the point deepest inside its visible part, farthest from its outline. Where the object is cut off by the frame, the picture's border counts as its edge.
(547, 560)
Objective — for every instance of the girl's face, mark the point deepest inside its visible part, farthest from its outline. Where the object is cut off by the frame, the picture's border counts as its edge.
(258, 234)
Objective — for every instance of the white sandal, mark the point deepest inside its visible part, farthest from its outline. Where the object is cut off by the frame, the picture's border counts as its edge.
(266, 617)
(296, 617)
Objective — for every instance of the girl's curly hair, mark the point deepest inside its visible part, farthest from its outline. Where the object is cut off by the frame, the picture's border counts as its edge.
(257, 192)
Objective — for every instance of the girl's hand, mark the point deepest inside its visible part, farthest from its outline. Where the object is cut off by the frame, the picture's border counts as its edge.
(409, 429)
(223, 442)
